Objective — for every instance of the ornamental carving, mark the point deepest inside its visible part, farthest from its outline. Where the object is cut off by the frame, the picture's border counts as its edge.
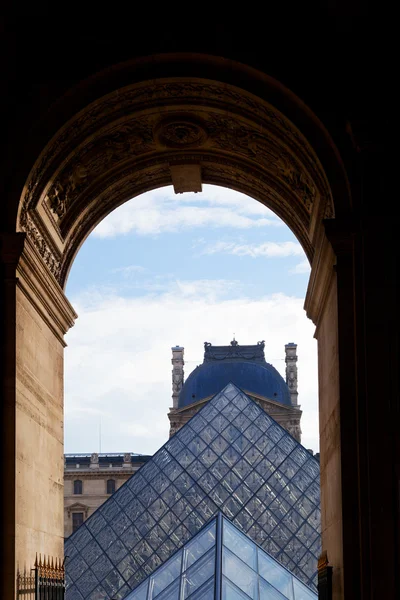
(122, 145)
(177, 383)
(64, 189)
(141, 96)
(231, 135)
(77, 507)
(57, 200)
(112, 147)
(292, 381)
(144, 96)
(234, 351)
(41, 244)
(184, 132)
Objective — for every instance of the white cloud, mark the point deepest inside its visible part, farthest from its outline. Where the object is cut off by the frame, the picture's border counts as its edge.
(266, 249)
(212, 289)
(118, 360)
(129, 270)
(162, 211)
(301, 268)
(160, 284)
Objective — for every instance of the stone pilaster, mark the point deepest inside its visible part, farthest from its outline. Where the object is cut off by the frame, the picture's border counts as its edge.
(291, 371)
(177, 373)
(43, 316)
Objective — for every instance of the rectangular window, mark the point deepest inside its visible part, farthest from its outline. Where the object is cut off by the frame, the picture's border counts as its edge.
(77, 520)
(110, 486)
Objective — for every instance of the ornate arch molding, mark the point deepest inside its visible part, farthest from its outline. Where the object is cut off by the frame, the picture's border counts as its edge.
(128, 142)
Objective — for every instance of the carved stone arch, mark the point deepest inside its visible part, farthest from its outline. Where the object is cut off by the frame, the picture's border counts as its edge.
(126, 143)
(343, 298)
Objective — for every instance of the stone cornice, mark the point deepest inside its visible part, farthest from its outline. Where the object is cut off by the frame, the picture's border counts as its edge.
(196, 405)
(321, 278)
(98, 474)
(44, 292)
(77, 506)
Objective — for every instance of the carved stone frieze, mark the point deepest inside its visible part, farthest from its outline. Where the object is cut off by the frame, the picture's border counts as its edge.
(230, 134)
(133, 139)
(57, 199)
(164, 122)
(182, 132)
(49, 255)
(118, 144)
(329, 212)
(145, 95)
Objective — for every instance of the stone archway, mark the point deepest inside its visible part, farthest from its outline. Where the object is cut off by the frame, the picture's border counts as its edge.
(147, 135)
(185, 131)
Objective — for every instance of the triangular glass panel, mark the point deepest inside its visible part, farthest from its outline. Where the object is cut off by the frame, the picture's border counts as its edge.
(230, 457)
(221, 563)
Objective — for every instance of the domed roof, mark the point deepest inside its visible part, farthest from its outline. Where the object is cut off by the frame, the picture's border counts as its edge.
(244, 366)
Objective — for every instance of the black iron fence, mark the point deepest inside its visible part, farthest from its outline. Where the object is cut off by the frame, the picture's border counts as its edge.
(324, 578)
(46, 581)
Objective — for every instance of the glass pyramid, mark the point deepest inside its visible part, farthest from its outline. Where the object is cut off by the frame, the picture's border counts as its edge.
(220, 563)
(230, 457)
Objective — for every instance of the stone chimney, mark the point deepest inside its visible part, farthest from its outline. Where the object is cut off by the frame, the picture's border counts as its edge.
(291, 371)
(177, 373)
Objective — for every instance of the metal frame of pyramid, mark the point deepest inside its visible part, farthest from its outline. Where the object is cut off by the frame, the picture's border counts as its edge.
(230, 457)
(221, 563)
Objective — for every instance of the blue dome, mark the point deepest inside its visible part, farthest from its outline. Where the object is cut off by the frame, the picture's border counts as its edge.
(260, 379)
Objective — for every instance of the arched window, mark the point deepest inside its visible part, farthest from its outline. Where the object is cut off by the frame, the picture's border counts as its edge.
(77, 486)
(110, 486)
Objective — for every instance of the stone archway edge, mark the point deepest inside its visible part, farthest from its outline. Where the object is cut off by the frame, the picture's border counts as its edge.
(127, 142)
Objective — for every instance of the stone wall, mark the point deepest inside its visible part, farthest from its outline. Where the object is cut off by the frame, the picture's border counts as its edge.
(43, 315)
(39, 436)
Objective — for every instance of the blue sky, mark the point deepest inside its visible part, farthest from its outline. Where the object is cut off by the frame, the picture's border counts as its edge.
(166, 269)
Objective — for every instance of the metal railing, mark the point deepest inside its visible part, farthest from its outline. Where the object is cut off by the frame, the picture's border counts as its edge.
(46, 581)
(324, 578)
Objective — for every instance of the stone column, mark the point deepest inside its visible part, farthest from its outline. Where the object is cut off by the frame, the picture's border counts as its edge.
(291, 371)
(177, 373)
